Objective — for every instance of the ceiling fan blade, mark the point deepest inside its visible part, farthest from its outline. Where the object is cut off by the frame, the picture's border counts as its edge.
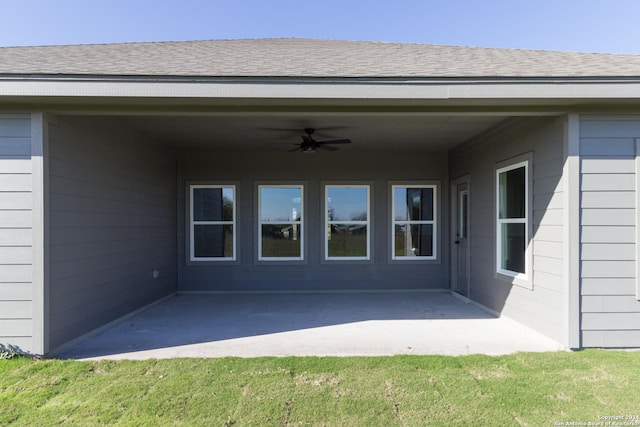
(336, 141)
(294, 149)
(322, 147)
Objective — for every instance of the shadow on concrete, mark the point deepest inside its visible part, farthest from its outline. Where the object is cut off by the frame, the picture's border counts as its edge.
(187, 319)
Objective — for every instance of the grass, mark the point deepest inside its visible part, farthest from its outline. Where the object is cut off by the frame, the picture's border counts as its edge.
(534, 389)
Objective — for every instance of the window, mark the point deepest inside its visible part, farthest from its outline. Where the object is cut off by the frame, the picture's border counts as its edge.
(213, 223)
(347, 222)
(512, 228)
(280, 222)
(413, 222)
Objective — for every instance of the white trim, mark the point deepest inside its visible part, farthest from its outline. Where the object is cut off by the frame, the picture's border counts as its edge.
(193, 223)
(433, 222)
(328, 223)
(571, 230)
(453, 228)
(292, 222)
(518, 277)
(39, 229)
(514, 89)
(637, 205)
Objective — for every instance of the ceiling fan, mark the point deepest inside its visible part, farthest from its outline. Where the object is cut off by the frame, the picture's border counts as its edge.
(310, 145)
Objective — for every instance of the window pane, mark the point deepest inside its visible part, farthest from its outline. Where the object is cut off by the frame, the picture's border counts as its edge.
(513, 247)
(213, 241)
(281, 240)
(213, 204)
(347, 240)
(280, 204)
(347, 204)
(413, 204)
(414, 240)
(512, 193)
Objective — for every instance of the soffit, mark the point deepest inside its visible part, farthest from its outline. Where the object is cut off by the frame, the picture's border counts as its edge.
(281, 132)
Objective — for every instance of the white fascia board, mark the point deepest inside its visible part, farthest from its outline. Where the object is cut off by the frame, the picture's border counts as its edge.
(321, 90)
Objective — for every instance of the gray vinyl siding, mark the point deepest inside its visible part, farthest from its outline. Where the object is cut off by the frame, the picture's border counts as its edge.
(16, 237)
(541, 307)
(112, 222)
(610, 311)
(378, 168)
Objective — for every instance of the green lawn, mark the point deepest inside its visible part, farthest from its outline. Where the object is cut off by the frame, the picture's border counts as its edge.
(524, 389)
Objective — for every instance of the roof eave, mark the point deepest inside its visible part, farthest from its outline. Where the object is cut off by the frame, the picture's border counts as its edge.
(496, 90)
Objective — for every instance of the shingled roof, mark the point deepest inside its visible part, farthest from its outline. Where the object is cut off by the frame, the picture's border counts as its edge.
(308, 58)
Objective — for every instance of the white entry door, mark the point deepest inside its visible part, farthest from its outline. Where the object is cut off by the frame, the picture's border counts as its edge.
(460, 254)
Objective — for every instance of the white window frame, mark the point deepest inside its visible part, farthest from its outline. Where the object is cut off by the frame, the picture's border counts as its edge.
(433, 222)
(300, 223)
(193, 223)
(516, 277)
(328, 223)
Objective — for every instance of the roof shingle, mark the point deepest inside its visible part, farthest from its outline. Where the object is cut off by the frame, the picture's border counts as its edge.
(294, 57)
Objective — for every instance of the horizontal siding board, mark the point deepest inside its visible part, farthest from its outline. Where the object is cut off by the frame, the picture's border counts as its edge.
(610, 304)
(112, 202)
(15, 310)
(548, 201)
(551, 168)
(607, 146)
(608, 199)
(16, 182)
(608, 234)
(548, 265)
(99, 203)
(610, 310)
(608, 252)
(596, 165)
(63, 253)
(609, 286)
(12, 146)
(129, 194)
(16, 219)
(611, 339)
(15, 328)
(82, 220)
(548, 249)
(23, 344)
(615, 217)
(610, 321)
(548, 217)
(547, 185)
(16, 200)
(15, 273)
(613, 128)
(549, 281)
(608, 182)
(15, 291)
(16, 255)
(613, 118)
(16, 237)
(15, 165)
(604, 269)
(15, 126)
(548, 233)
(63, 236)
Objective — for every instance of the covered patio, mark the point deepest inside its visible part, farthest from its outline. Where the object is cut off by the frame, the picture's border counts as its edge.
(308, 324)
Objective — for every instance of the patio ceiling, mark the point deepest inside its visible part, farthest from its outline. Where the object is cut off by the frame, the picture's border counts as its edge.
(278, 132)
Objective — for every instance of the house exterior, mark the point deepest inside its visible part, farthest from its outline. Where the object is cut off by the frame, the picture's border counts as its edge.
(129, 172)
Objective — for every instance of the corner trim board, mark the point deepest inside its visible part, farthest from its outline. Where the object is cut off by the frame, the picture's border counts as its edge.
(39, 172)
(571, 230)
(637, 206)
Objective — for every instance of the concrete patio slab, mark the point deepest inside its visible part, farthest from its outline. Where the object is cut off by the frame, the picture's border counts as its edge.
(310, 324)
